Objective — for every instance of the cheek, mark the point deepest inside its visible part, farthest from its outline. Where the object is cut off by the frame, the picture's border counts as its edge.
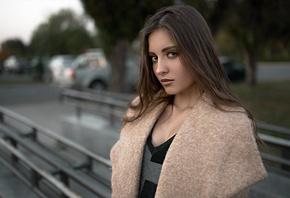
(190, 80)
(154, 69)
(187, 76)
(153, 74)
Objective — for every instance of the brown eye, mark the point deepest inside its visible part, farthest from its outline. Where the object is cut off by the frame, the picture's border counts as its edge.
(154, 59)
(171, 54)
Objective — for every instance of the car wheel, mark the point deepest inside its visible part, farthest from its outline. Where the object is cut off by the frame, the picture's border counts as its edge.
(98, 85)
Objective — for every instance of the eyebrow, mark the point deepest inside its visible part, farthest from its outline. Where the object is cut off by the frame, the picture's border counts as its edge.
(167, 48)
(164, 49)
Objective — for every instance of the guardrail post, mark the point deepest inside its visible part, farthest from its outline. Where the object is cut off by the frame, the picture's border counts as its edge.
(90, 164)
(34, 134)
(286, 153)
(64, 179)
(14, 158)
(34, 178)
(1, 117)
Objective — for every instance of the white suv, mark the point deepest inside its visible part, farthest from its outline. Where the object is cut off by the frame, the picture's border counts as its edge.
(92, 70)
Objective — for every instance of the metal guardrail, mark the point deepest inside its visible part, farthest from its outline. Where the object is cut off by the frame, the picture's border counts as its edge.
(113, 101)
(58, 169)
(35, 172)
(279, 137)
(108, 104)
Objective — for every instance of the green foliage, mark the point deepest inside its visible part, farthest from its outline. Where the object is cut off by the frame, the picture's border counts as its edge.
(120, 20)
(12, 47)
(260, 27)
(276, 50)
(64, 33)
(254, 23)
(227, 45)
(215, 12)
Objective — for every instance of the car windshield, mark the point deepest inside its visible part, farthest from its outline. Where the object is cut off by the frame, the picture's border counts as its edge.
(90, 60)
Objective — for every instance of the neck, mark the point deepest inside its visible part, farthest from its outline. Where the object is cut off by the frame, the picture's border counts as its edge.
(187, 100)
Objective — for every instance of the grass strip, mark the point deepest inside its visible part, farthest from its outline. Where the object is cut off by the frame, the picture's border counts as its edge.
(269, 102)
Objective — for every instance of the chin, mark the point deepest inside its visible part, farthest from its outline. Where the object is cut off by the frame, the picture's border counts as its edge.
(171, 92)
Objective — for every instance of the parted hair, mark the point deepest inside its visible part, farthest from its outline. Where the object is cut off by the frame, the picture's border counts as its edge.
(196, 50)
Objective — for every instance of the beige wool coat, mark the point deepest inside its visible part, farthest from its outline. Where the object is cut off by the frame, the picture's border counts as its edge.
(214, 154)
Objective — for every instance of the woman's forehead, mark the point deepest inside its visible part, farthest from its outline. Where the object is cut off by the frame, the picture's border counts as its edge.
(159, 39)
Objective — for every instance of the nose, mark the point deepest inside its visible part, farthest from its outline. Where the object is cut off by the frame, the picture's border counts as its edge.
(161, 67)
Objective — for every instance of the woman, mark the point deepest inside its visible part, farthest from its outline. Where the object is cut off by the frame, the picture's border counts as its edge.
(186, 135)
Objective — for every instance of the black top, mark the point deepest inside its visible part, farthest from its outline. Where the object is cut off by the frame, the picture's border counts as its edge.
(152, 161)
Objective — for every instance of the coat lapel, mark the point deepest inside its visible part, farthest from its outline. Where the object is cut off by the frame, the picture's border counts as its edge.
(129, 151)
(187, 140)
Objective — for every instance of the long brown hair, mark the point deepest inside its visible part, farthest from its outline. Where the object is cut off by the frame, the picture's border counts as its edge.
(195, 45)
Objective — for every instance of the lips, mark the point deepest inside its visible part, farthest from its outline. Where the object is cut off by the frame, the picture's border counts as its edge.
(166, 82)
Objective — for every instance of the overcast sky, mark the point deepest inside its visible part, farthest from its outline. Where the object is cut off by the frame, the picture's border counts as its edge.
(18, 18)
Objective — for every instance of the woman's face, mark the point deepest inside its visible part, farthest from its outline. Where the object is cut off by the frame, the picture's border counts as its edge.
(167, 67)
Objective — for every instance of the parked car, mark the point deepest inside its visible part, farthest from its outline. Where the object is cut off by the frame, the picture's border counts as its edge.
(61, 70)
(92, 70)
(234, 69)
(16, 64)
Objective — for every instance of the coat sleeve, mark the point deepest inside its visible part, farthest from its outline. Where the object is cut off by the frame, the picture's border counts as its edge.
(243, 166)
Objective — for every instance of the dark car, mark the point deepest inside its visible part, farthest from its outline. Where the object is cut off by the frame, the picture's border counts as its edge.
(235, 70)
(16, 64)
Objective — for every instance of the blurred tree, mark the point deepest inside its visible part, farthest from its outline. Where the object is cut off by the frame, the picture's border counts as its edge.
(119, 23)
(12, 47)
(215, 12)
(253, 23)
(64, 33)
